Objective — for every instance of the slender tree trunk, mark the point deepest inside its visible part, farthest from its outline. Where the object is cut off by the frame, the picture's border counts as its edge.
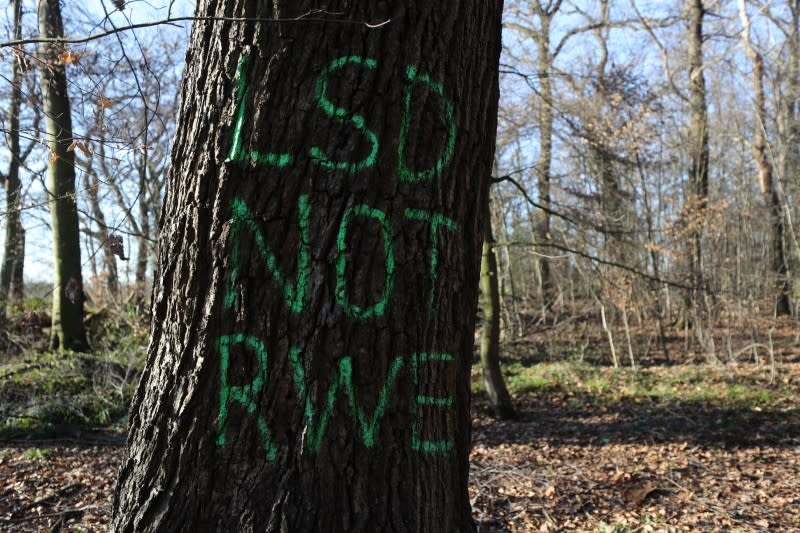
(601, 150)
(499, 398)
(662, 311)
(778, 264)
(13, 233)
(516, 322)
(17, 291)
(143, 240)
(67, 329)
(143, 250)
(92, 185)
(313, 317)
(697, 200)
(544, 65)
(791, 155)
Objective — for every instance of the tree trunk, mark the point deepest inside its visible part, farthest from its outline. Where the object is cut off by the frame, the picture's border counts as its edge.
(791, 155)
(697, 200)
(143, 240)
(313, 316)
(499, 398)
(12, 180)
(601, 150)
(67, 329)
(544, 66)
(91, 183)
(143, 250)
(778, 265)
(17, 290)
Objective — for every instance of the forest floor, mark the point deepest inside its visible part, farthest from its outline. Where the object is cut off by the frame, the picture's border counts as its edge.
(573, 463)
(690, 445)
(705, 440)
(574, 460)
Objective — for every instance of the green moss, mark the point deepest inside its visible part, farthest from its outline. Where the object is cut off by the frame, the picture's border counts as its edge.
(38, 454)
(47, 394)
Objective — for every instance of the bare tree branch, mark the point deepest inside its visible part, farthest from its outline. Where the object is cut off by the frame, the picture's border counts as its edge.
(174, 20)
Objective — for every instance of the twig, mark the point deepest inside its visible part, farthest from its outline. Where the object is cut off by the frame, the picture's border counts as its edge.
(46, 499)
(585, 255)
(174, 20)
(753, 346)
(20, 370)
(31, 518)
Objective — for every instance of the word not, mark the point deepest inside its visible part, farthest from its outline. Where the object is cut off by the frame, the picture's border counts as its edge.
(317, 154)
(246, 396)
(294, 293)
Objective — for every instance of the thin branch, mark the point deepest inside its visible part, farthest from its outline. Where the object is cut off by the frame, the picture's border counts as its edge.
(530, 200)
(664, 53)
(70, 513)
(174, 20)
(600, 260)
(585, 255)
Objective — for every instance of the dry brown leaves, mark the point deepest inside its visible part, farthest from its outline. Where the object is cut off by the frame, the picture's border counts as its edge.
(572, 470)
(57, 488)
(558, 468)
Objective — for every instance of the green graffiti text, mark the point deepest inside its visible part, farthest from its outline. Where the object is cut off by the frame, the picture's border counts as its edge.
(423, 445)
(340, 113)
(405, 173)
(378, 308)
(436, 220)
(245, 394)
(293, 293)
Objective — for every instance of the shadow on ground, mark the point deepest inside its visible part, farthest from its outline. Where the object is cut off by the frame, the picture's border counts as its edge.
(549, 417)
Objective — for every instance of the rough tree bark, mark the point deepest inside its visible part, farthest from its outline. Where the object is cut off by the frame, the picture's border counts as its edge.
(67, 330)
(777, 259)
(319, 252)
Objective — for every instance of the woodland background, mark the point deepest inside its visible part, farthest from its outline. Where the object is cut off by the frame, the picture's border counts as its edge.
(647, 265)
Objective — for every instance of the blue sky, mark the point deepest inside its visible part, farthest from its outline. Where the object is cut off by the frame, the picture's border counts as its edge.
(85, 19)
(627, 46)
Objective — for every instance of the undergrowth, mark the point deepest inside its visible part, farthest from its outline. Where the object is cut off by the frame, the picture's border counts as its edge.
(739, 387)
(49, 394)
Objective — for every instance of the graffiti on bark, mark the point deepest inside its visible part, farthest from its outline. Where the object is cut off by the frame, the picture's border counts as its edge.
(315, 427)
(366, 414)
(340, 113)
(413, 79)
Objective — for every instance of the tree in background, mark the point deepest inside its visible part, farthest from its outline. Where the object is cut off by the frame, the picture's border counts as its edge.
(129, 125)
(67, 331)
(791, 122)
(14, 244)
(766, 180)
(523, 24)
(301, 376)
(698, 172)
(499, 398)
(787, 72)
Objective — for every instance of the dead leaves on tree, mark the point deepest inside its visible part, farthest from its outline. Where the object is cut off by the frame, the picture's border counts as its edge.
(67, 57)
(116, 246)
(79, 145)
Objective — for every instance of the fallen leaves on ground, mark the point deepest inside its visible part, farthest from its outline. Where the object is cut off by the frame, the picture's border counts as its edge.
(620, 469)
(564, 465)
(58, 488)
